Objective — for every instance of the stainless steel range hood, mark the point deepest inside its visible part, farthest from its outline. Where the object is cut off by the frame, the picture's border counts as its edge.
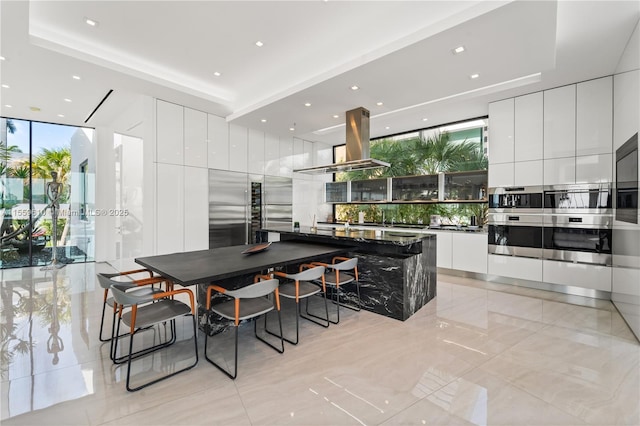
(357, 143)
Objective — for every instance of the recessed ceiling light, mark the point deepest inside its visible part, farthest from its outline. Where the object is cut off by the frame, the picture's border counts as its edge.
(8, 106)
(67, 100)
(76, 77)
(292, 128)
(458, 49)
(336, 116)
(5, 86)
(217, 74)
(2, 58)
(387, 128)
(474, 76)
(307, 104)
(259, 43)
(379, 104)
(354, 87)
(34, 109)
(425, 119)
(264, 120)
(91, 22)
(61, 115)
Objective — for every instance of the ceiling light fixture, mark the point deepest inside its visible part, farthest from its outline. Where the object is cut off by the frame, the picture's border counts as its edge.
(91, 22)
(35, 109)
(259, 43)
(474, 76)
(76, 77)
(264, 120)
(2, 58)
(61, 115)
(387, 128)
(67, 100)
(217, 74)
(354, 87)
(458, 49)
(336, 116)
(292, 128)
(307, 104)
(5, 86)
(425, 119)
(379, 104)
(8, 106)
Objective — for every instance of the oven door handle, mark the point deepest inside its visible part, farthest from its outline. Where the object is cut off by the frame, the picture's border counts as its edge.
(513, 217)
(575, 220)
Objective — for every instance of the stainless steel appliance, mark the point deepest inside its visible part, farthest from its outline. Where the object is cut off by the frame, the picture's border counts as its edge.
(584, 238)
(515, 234)
(581, 198)
(517, 199)
(627, 181)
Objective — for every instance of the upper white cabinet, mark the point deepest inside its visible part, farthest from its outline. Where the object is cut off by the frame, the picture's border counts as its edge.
(560, 122)
(256, 151)
(501, 174)
(218, 143)
(527, 173)
(195, 138)
(528, 127)
(626, 106)
(169, 133)
(501, 130)
(238, 148)
(272, 155)
(594, 117)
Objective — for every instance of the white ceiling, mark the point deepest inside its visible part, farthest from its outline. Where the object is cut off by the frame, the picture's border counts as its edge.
(398, 53)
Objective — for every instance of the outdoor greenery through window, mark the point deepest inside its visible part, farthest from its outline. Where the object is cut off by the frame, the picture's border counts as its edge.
(457, 148)
(31, 153)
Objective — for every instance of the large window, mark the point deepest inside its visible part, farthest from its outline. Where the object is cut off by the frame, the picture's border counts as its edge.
(32, 153)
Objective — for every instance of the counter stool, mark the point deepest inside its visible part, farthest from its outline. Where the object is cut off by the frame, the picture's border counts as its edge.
(338, 276)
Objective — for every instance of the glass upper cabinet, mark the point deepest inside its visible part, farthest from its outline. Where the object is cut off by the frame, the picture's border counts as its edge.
(369, 191)
(336, 192)
(415, 188)
(465, 186)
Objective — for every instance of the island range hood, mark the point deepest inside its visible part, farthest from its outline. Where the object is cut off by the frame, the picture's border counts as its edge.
(357, 143)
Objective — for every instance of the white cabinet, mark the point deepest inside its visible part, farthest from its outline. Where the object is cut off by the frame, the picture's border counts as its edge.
(169, 133)
(196, 208)
(595, 277)
(286, 157)
(218, 131)
(256, 152)
(195, 138)
(527, 173)
(626, 106)
(594, 117)
(238, 148)
(515, 267)
(444, 249)
(470, 251)
(170, 202)
(500, 174)
(272, 155)
(560, 122)
(528, 128)
(594, 168)
(560, 171)
(501, 116)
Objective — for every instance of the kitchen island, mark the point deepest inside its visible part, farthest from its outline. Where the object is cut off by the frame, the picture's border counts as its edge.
(397, 271)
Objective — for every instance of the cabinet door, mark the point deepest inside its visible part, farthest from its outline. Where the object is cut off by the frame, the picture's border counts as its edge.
(560, 122)
(527, 173)
(528, 127)
(195, 138)
(444, 249)
(594, 117)
(501, 131)
(218, 143)
(500, 175)
(515, 267)
(238, 136)
(626, 106)
(169, 133)
(559, 171)
(594, 168)
(470, 252)
(170, 212)
(256, 152)
(196, 208)
(272, 155)
(595, 277)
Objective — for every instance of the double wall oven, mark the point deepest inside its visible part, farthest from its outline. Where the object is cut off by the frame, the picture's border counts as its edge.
(561, 222)
(515, 221)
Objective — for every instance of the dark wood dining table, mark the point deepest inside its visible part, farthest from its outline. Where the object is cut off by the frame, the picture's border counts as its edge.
(206, 266)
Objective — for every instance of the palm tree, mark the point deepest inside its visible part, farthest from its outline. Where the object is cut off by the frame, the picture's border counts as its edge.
(53, 160)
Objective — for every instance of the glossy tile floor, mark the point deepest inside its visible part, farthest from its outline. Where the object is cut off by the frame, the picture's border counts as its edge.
(480, 353)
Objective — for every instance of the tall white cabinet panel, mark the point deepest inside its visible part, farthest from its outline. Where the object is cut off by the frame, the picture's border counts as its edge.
(594, 117)
(626, 106)
(560, 122)
(528, 127)
(470, 252)
(500, 174)
(218, 143)
(594, 168)
(286, 157)
(560, 171)
(170, 208)
(256, 152)
(501, 116)
(169, 133)
(238, 148)
(196, 208)
(272, 155)
(527, 173)
(298, 153)
(195, 138)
